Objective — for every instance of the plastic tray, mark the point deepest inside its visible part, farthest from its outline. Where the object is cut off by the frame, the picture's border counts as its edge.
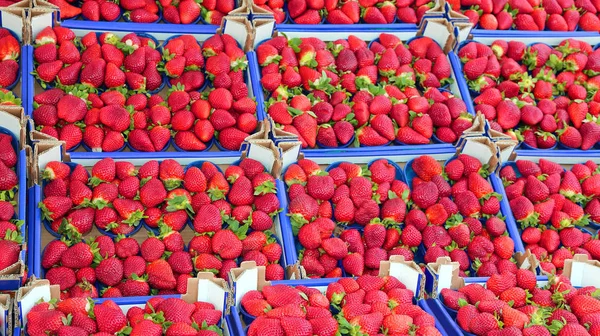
(120, 29)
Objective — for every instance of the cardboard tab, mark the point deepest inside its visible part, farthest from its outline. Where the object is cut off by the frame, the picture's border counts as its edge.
(482, 148)
(264, 29)
(408, 272)
(439, 30)
(582, 272)
(43, 15)
(441, 274)
(14, 18)
(6, 316)
(239, 28)
(44, 152)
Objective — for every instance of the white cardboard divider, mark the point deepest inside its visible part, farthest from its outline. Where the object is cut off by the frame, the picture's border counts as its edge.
(246, 278)
(13, 21)
(408, 272)
(11, 123)
(27, 297)
(582, 271)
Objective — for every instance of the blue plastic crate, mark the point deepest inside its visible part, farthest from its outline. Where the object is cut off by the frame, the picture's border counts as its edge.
(13, 281)
(80, 20)
(45, 293)
(41, 227)
(159, 33)
(530, 38)
(333, 32)
(505, 205)
(240, 328)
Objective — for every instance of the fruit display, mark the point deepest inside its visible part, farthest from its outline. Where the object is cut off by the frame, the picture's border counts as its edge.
(541, 95)
(514, 304)
(367, 305)
(531, 15)
(11, 223)
(146, 11)
(157, 316)
(553, 205)
(314, 12)
(230, 216)
(350, 92)
(10, 60)
(106, 95)
(441, 211)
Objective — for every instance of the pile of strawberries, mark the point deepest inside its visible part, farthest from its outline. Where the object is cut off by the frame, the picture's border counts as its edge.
(10, 228)
(514, 304)
(58, 60)
(551, 203)
(231, 212)
(538, 94)
(159, 316)
(367, 305)
(147, 11)
(532, 15)
(370, 205)
(378, 93)
(10, 54)
(457, 213)
(123, 113)
(348, 12)
(373, 199)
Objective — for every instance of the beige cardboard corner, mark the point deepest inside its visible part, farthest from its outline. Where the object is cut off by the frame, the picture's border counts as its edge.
(37, 136)
(262, 150)
(245, 278)
(239, 28)
(463, 31)
(13, 118)
(439, 30)
(263, 133)
(44, 152)
(408, 272)
(14, 18)
(32, 293)
(263, 29)
(506, 149)
(6, 309)
(289, 153)
(445, 275)
(44, 14)
(481, 148)
(582, 271)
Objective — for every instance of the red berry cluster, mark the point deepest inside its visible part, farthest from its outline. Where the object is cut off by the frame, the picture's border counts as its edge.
(512, 303)
(457, 213)
(361, 91)
(147, 11)
(10, 228)
(107, 121)
(159, 316)
(551, 204)
(537, 94)
(347, 12)
(220, 207)
(367, 305)
(531, 15)
(10, 55)
(372, 198)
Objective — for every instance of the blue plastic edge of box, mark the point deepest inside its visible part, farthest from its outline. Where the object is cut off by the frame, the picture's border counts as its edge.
(27, 82)
(461, 82)
(511, 224)
(132, 27)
